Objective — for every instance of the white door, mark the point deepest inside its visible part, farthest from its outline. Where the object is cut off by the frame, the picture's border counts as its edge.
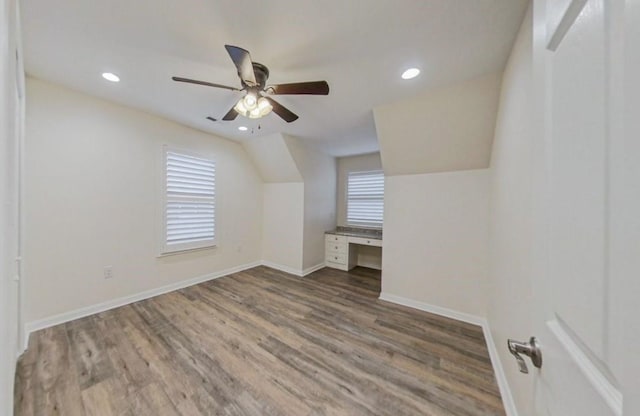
(579, 73)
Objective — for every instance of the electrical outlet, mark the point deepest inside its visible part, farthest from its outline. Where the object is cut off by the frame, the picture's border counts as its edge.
(108, 272)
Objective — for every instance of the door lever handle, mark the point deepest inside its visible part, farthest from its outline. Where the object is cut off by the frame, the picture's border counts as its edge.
(530, 349)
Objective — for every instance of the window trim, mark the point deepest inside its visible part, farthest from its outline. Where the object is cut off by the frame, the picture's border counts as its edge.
(347, 199)
(168, 250)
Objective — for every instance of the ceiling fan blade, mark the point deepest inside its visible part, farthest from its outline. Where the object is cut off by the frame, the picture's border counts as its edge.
(312, 88)
(242, 60)
(231, 115)
(282, 111)
(208, 84)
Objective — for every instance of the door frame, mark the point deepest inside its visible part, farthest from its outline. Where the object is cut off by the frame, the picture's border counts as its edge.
(20, 92)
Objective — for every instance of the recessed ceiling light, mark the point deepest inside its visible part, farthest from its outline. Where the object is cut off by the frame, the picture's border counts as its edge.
(410, 73)
(243, 128)
(110, 77)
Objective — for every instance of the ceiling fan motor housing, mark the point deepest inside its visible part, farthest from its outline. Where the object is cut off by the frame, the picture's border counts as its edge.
(261, 73)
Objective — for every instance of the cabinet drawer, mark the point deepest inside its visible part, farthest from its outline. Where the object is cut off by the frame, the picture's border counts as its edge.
(333, 238)
(335, 247)
(366, 241)
(336, 258)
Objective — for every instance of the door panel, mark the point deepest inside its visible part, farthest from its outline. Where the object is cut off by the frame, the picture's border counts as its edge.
(573, 80)
(564, 388)
(578, 90)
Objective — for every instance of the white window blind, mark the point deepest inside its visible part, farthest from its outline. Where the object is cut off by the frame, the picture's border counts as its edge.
(365, 199)
(190, 184)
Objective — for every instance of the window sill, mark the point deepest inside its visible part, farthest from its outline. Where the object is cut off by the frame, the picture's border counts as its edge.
(186, 251)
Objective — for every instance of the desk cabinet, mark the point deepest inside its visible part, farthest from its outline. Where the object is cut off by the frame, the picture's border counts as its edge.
(341, 252)
(336, 250)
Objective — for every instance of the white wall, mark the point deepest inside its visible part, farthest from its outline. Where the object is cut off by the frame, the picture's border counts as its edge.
(283, 230)
(510, 276)
(444, 129)
(435, 245)
(299, 200)
(274, 160)
(283, 213)
(319, 173)
(435, 149)
(348, 164)
(9, 195)
(93, 171)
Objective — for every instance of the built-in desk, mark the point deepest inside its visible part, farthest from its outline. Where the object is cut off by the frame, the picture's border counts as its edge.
(341, 246)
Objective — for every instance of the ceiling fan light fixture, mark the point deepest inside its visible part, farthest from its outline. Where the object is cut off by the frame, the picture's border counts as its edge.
(240, 108)
(259, 108)
(264, 107)
(250, 101)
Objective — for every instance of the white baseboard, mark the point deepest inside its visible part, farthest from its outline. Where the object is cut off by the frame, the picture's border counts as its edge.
(282, 268)
(438, 310)
(115, 303)
(501, 377)
(312, 269)
(503, 385)
(291, 270)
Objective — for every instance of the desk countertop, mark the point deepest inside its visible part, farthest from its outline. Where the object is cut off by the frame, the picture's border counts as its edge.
(357, 232)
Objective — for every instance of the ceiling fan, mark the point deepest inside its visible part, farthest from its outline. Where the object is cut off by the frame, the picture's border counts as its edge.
(253, 76)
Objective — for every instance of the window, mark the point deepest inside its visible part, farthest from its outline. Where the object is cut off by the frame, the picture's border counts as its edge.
(189, 201)
(365, 199)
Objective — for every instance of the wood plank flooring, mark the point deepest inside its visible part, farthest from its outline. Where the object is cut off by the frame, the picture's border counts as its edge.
(260, 342)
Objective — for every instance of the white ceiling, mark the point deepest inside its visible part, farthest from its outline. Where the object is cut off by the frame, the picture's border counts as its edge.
(359, 46)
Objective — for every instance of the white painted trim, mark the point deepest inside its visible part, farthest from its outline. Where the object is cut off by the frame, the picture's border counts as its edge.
(61, 318)
(438, 310)
(312, 269)
(115, 303)
(501, 378)
(498, 369)
(282, 268)
(291, 270)
(601, 383)
(21, 176)
(186, 251)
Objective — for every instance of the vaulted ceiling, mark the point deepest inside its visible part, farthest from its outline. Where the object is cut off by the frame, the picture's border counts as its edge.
(359, 47)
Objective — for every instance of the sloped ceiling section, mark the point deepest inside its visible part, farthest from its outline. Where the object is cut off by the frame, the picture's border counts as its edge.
(312, 162)
(445, 129)
(273, 159)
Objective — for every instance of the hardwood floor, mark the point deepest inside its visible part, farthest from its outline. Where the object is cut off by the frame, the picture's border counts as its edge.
(260, 342)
